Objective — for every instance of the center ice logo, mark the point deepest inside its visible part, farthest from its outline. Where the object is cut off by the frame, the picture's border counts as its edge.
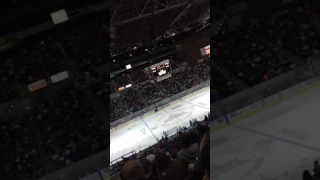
(177, 117)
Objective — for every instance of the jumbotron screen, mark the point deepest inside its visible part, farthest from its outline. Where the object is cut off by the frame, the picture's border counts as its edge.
(161, 70)
(205, 51)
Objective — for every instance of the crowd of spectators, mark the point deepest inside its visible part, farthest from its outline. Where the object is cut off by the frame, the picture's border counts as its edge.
(186, 78)
(184, 156)
(290, 28)
(69, 127)
(316, 172)
(7, 81)
(123, 79)
(37, 60)
(19, 155)
(86, 42)
(151, 93)
(138, 76)
(170, 86)
(116, 111)
(132, 101)
(250, 59)
(112, 86)
(202, 70)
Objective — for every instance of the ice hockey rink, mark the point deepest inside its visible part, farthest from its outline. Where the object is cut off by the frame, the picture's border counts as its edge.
(142, 132)
(277, 143)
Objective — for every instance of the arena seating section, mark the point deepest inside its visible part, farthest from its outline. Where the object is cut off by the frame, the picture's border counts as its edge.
(136, 99)
(66, 128)
(254, 53)
(7, 81)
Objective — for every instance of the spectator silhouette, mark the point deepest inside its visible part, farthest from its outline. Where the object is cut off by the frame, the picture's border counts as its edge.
(201, 130)
(147, 167)
(201, 167)
(169, 169)
(205, 155)
(316, 167)
(316, 177)
(188, 153)
(316, 170)
(307, 175)
(133, 170)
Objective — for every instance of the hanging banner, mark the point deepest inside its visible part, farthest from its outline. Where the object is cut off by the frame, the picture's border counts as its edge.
(59, 77)
(37, 85)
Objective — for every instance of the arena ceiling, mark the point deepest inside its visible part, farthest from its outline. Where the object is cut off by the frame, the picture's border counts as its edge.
(131, 20)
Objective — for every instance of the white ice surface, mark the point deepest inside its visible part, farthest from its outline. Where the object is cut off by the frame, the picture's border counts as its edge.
(276, 143)
(130, 137)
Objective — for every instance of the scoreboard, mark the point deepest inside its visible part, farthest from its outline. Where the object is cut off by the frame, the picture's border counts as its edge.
(161, 70)
(205, 51)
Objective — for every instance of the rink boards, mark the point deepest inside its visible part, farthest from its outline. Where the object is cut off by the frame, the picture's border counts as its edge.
(171, 104)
